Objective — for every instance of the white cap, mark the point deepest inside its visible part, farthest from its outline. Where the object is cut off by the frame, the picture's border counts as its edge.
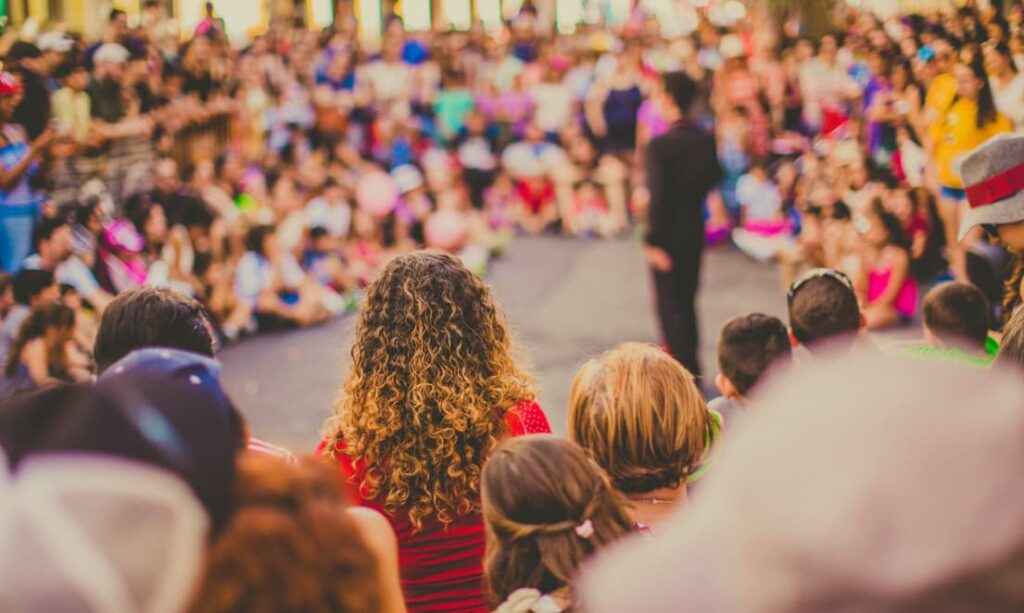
(110, 53)
(58, 42)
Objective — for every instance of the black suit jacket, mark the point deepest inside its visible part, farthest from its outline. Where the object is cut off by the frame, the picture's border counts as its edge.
(682, 168)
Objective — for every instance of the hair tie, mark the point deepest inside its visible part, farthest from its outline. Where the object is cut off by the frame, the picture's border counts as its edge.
(585, 529)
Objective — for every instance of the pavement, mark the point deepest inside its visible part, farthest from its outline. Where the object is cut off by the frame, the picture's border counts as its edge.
(566, 301)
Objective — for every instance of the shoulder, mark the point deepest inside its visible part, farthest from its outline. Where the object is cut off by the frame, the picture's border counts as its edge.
(376, 531)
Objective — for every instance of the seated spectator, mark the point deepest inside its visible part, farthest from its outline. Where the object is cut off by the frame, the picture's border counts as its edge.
(274, 285)
(823, 311)
(888, 291)
(829, 516)
(639, 413)
(161, 318)
(547, 508)
(288, 548)
(748, 347)
(956, 324)
(39, 355)
(31, 288)
(52, 241)
(432, 368)
(764, 228)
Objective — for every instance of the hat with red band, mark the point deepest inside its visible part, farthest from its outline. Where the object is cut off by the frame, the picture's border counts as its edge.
(9, 84)
(993, 177)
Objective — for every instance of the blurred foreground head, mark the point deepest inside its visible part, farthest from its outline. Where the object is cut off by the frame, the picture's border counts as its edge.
(863, 483)
(109, 492)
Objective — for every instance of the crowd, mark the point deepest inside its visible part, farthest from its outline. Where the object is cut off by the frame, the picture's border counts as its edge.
(157, 199)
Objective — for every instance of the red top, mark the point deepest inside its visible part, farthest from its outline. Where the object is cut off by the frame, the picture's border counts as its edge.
(442, 568)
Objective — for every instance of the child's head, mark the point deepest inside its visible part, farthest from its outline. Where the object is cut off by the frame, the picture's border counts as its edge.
(73, 75)
(823, 307)
(956, 315)
(900, 204)
(880, 228)
(320, 240)
(641, 416)
(547, 508)
(748, 347)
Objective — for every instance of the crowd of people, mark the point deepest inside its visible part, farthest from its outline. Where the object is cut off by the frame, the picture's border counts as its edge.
(158, 198)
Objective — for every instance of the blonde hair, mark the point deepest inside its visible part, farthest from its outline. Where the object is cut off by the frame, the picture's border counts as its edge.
(432, 378)
(641, 416)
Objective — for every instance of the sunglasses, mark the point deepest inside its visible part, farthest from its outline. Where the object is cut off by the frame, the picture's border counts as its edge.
(818, 273)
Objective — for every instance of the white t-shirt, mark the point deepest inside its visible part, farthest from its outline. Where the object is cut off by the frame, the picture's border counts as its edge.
(335, 217)
(1010, 99)
(525, 159)
(760, 199)
(553, 106)
(71, 271)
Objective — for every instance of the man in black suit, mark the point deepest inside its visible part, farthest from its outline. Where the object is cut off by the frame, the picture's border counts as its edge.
(682, 168)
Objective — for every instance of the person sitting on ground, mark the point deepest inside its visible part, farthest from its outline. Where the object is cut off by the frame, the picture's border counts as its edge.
(547, 508)
(31, 288)
(956, 324)
(52, 240)
(432, 389)
(274, 286)
(39, 356)
(287, 548)
(748, 347)
(823, 311)
(641, 416)
(887, 289)
(159, 317)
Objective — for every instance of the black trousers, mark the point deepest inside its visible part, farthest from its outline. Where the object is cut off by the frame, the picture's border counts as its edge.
(676, 294)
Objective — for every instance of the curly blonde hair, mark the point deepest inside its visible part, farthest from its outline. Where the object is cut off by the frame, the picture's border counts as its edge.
(432, 378)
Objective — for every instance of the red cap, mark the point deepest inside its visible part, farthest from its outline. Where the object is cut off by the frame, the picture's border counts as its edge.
(9, 84)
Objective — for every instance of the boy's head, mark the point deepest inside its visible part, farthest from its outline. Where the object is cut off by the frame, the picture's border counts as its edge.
(33, 288)
(152, 317)
(823, 307)
(748, 347)
(74, 75)
(641, 416)
(956, 315)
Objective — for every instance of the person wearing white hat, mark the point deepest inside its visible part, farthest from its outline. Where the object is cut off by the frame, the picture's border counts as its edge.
(993, 177)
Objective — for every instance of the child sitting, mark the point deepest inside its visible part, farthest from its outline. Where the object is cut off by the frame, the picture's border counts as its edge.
(590, 212)
(547, 508)
(749, 346)
(640, 415)
(765, 230)
(956, 324)
(888, 291)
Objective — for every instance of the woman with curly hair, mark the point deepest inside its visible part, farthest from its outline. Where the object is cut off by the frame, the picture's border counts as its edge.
(432, 389)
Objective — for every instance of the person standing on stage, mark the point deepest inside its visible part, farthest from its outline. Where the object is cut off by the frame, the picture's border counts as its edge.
(682, 168)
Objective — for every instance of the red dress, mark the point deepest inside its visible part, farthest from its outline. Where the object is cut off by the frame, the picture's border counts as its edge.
(442, 568)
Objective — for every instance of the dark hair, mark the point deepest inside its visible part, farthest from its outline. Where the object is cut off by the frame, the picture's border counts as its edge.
(28, 283)
(536, 491)
(68, 68)
(749, 345)
(152, 317)
(46, 229)
(318, 232)
(957, 310)
(115, 14)
(138, 210)
(823, 308)
(987, 112)
(893, 226)
(6, 281)
(255, 238)
(39, 321)
(23, 50)
(681, 88)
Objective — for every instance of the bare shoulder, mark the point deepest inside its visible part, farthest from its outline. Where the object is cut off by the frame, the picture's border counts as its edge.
(375, 529)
